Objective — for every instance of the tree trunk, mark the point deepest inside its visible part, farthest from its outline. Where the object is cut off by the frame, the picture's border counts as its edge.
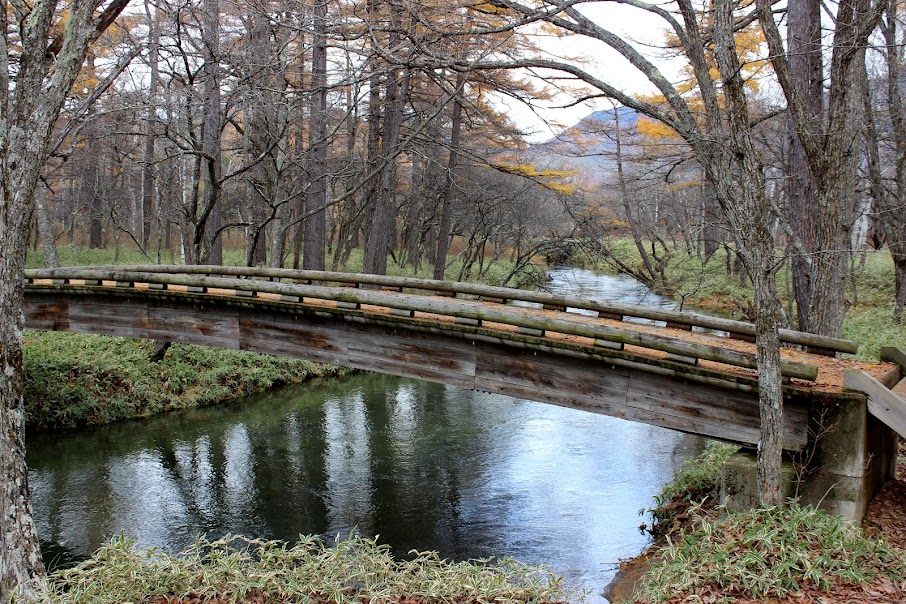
(444, 230)
(804, 45)
(899, 266)
(712, 234)
(837, 213)
(315, 222)
(149, 183)
(413, 228)
(748, 213)
(20, 557)
(891, 200)
(278, 238)
(212, 171)
(381, 229)
(255, 210)
(32, 106)
(770, 394)
(652, 278)
(45, 229)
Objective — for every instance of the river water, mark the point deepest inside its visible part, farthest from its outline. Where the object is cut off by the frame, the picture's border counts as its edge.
(422, 465)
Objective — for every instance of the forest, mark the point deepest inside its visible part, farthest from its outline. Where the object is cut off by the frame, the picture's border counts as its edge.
(288, 132)
(301, 132)
(313, 133)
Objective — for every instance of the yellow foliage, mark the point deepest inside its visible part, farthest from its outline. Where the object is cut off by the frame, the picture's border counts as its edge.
(549, 179)
(654, 130)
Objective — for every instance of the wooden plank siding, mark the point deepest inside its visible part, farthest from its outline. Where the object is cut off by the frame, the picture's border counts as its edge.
(617, 383)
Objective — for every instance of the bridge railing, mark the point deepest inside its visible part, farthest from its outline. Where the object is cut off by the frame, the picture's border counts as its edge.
(611, 310)
(309, 284)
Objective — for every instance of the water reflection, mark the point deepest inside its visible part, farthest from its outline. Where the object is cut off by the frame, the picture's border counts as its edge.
(422, 465)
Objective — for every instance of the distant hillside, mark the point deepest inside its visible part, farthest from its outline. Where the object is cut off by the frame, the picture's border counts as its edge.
(587, 146)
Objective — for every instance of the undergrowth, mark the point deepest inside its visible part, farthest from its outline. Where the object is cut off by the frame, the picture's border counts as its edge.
(347, 572)
(74, 380)
(768, 553)
(696, 481)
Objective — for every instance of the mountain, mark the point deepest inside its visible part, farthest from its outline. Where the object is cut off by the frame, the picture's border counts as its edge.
(588, 146)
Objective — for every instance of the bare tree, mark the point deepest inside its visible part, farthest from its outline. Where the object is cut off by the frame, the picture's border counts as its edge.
(886, 145)
(830, 145)
(315, 222)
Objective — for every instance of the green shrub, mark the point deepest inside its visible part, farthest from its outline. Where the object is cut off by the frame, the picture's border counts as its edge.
(696, 481)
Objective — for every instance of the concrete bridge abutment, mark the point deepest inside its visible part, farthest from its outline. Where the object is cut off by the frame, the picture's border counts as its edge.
(849, 456)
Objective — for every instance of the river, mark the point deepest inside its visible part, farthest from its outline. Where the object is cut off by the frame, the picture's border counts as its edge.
(422, 465)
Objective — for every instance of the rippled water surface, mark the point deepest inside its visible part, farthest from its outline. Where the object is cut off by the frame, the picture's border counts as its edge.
(424, 466)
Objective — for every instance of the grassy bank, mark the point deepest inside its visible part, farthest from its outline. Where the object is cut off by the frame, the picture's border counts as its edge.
(796, 554)
(694, 282)
(74, 380)
(258, 571)
(773, 553)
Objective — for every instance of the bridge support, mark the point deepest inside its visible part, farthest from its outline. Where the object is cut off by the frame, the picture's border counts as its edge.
(849, 456)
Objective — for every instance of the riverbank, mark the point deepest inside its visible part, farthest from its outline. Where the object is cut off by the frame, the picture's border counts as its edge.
(256, 571)
(77, 380)
(797, 555)
(692, 539)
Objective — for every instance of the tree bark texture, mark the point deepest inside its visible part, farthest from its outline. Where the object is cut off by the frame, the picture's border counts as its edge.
(712, 233)
(254, 143)
(47, 68)
(149, 176)
(806, 64)
(315, 222)
(830, 148)
(381, 229)
(45, 229)
(748, 214)
(891, 199)
(209, 243)
(21, 568)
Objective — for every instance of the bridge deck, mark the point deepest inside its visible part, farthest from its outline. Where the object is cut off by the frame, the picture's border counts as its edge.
(692, 381)
(830, 369)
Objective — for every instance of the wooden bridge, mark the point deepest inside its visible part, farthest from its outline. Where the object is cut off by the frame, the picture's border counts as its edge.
(678, 370)
(690, 372)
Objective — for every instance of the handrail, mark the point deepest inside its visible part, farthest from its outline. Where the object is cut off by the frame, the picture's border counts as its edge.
(461, 309)
(731, 326)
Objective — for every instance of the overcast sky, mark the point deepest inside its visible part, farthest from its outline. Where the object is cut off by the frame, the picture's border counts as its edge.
(602, 62)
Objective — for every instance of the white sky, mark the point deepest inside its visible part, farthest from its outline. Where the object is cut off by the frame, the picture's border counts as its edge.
(638, 26)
